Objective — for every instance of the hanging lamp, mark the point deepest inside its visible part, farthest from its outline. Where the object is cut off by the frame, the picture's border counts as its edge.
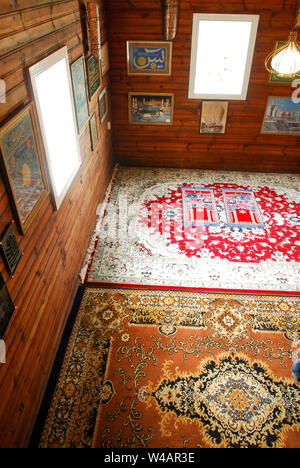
(285, 60)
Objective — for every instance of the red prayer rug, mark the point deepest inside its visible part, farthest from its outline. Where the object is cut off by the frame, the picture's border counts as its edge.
(199, 229)
(199, 207)
(242, 209)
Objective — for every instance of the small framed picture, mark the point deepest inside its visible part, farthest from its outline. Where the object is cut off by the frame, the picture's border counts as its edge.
(7, 308)
(275, 79)
(22, 165)
(282, 117)
(151, 109)
(214, 117)
(149, 58)
(94, 75)
(10, 249)
(104, 59)
(103, 105)
(93, 132)
(78, 75)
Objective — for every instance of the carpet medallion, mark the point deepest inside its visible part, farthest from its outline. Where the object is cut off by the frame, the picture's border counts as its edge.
(159, 368)
(199, 229)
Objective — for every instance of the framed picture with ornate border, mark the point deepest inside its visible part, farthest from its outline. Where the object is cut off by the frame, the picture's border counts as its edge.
(23, 167)
(7, 308)
(94, 75)
(275, 79)
(93, 132)
(214, 117)
(10, 249)
(103, 105)
(151, 109)
(78, 75)
(149, 58)
(282, 117)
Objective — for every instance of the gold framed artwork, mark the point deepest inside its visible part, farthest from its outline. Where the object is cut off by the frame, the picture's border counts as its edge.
(282, 117)
(94, 75)
(151, 109)
(214, 117)
(149, 58)
(93, 132)
(103, 105)
(23, 167)
(104, 59)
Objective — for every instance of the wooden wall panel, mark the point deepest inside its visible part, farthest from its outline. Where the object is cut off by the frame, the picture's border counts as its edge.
(243, 147)
(45, 283)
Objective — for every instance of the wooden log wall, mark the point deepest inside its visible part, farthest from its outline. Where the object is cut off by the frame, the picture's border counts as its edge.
(54, 247)
(242, 147)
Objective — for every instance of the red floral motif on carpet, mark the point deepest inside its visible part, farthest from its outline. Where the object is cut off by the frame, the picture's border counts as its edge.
(164, 215)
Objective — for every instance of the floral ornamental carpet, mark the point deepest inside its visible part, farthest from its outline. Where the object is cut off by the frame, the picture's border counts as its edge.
(211, 230)
(159, 368)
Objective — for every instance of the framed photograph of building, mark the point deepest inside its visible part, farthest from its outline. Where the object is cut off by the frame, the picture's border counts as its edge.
(151, 109)
(149, 58)
(22, 165)
(94, 75)
(78, 75)
(282, 117)
(214, 117)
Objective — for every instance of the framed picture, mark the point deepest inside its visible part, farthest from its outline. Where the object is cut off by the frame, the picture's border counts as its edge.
(149, 58)
(80, 92)
(103, 105)
(10, 249)
(104, 59)
(22, 165)
(282, 117)
(275, 79)
(94, 75)
(152, 109)
(214, 117)
(7, 308)
(93, 132)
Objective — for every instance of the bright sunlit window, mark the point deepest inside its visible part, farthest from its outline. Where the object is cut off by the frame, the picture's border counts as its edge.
(222, 55)
(52, 89)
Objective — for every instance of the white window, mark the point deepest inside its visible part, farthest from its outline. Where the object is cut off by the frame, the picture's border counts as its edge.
(222, 55)
(52, 89)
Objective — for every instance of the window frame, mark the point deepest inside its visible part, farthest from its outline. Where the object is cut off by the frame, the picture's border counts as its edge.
(197, 18)
(34, 71)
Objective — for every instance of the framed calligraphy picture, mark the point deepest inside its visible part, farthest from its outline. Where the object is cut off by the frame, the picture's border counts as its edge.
(10, 249)
(7, 308)
(94, 75)
(149, 58)
(22, 165)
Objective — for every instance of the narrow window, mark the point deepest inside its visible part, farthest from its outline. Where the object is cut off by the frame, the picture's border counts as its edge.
(222, 55)
(52, 89)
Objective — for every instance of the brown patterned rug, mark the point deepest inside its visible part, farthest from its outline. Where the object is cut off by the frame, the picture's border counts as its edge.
(158, 368)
